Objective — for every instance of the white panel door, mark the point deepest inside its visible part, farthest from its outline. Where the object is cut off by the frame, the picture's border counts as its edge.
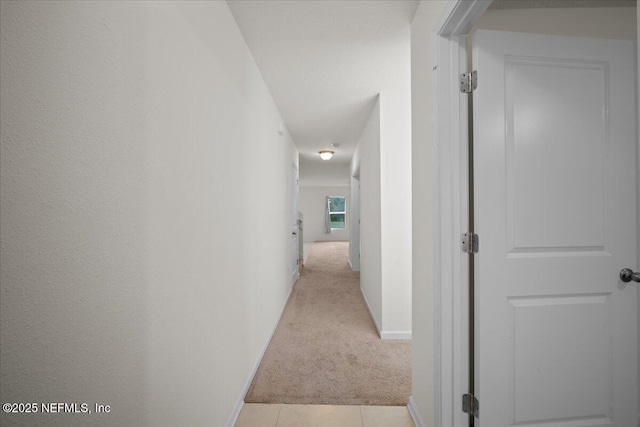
(554, 135)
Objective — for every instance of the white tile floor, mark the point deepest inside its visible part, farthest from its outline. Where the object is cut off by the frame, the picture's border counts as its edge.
(280, 415)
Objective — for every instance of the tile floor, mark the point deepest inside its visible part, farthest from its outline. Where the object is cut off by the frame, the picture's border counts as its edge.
(278, 415)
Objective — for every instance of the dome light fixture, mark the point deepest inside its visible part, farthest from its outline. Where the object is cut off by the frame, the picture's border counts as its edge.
(326, 154)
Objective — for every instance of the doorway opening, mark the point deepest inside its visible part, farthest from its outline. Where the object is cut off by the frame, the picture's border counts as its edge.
(453, 159)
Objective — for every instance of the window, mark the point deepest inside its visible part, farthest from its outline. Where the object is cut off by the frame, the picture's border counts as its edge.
(337, 212)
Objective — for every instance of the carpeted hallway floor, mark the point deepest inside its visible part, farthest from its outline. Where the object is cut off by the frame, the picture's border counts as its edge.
(326, 349)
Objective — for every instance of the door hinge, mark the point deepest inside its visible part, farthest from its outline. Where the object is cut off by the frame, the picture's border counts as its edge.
(470, 243)
(470, 405)
(468, 82)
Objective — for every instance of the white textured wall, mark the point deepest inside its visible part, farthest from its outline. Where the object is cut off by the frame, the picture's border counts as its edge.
(423, 150)
(367, 156)
(383, 157)
(74, 208)
(137, 270)
(313, 202)
(395, 193)
(617, 23)
(333, 172)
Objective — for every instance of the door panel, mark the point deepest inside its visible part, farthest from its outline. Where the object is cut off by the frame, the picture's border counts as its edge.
(539, 362)
(543, 140)
(554, 176)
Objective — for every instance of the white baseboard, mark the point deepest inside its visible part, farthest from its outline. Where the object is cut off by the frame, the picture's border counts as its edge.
(413, 411)
(240, 401)
(236, 413)
(385, 335)
(294, 279)
(375, 321)
(395, 335)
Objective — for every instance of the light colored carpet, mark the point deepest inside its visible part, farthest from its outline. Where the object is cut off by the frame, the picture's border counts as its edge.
(325, 349)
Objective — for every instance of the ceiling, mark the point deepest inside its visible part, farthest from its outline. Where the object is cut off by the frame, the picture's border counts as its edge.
(325, 62)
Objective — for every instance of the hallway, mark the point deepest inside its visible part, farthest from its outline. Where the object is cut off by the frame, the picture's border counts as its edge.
(325, 349)
(154, 161)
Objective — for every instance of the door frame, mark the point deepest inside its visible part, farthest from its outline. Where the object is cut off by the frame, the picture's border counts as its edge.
(354, 235)
(295, 200)
(451, 268)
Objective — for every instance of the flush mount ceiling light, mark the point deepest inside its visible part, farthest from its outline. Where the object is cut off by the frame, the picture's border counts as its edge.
(326, 154)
